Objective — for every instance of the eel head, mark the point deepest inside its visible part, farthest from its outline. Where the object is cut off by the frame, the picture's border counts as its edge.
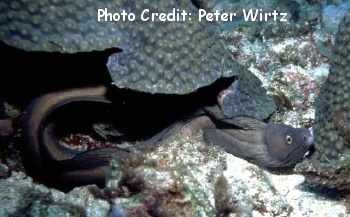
(286, 144)
(270, 145)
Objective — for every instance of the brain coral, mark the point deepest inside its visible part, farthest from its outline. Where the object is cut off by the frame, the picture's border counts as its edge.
(157, 57)
(332, 121)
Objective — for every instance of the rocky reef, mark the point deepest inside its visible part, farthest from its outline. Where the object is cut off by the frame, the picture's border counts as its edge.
(288, 57)
(186, 177)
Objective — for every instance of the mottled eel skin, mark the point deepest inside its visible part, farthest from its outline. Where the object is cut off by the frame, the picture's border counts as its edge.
(270, 145)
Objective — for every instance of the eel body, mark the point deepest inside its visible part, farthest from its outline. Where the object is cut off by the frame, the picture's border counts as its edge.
(270, 145)
(46, 151)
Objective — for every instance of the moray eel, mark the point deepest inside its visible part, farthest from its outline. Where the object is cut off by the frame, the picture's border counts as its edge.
(46, 151)
(270, 145)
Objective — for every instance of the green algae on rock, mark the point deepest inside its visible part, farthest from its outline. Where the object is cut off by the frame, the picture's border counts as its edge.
(156, 57)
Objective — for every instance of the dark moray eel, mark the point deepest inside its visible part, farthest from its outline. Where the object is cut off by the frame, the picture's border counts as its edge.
(270, 145)
(45, 149)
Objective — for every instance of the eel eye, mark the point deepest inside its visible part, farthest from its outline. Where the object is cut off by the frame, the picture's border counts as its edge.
(289, 139)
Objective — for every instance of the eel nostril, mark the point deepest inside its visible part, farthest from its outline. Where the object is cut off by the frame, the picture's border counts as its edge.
(305, 136)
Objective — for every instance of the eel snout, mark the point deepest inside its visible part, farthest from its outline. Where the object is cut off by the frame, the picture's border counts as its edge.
(308, 140)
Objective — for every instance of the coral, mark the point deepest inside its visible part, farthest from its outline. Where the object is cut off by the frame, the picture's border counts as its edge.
(342, 124)
(269, 49)
(295, 87)
(331, 127)
(22, 197)
(325, 174)
(156, 57)
(329, 164)
(246, 97)
(303, 86)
